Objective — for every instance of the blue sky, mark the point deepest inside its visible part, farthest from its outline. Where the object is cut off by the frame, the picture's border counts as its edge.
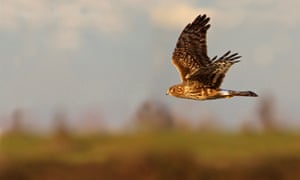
(113, 55)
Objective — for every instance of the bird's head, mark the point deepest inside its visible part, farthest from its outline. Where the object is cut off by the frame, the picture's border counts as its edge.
(176, 90)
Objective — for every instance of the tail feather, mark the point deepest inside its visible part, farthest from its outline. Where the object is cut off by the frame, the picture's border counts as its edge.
(244, 93)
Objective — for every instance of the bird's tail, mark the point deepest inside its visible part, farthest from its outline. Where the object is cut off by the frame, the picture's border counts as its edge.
(231, 93)
(243, 93)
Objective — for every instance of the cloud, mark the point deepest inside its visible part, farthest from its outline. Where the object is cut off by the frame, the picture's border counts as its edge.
(176, 15)
(265, 12)
(226, 14)
(64, 19)
(72, 14)
(284, 13)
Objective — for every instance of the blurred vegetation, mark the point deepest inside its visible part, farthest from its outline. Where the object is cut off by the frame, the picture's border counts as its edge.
(158, 146)
(159, 155)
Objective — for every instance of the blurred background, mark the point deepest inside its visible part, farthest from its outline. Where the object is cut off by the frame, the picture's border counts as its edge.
(83, 87)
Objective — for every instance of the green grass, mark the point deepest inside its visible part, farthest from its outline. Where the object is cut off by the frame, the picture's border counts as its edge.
(156, 155)
(208, 147)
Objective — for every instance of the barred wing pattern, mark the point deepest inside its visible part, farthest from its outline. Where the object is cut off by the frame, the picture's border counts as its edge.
(213, 75)
(191, 59)
(191, 52)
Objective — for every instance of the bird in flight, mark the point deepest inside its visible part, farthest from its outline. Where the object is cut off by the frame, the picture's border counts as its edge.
(201, 76)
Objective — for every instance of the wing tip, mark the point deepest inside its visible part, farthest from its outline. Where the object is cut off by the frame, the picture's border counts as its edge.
(201, 20)
(230, 57)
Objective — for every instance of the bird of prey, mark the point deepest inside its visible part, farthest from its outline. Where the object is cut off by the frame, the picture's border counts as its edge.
(201, 76)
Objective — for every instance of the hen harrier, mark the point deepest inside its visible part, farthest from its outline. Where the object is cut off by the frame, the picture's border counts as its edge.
(201, 76)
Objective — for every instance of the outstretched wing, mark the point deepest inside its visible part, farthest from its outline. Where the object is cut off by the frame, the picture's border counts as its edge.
(213, 75)
(190, 53)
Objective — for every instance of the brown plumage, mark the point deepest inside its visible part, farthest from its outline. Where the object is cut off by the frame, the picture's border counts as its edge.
(201, 77)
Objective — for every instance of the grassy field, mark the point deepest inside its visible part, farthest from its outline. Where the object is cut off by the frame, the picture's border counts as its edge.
(156, 155)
